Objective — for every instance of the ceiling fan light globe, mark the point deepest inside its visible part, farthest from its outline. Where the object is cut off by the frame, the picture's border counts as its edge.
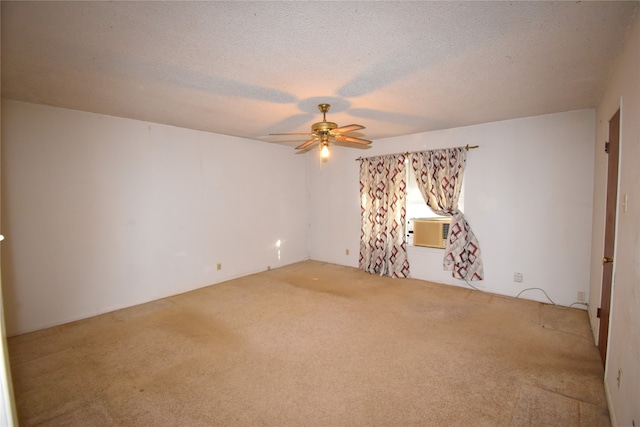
(324, 151)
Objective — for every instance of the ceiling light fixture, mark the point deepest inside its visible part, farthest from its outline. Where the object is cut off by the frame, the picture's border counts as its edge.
(324, 150)
(324, 131)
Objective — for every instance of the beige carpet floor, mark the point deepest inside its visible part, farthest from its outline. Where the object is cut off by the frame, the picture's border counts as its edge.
(315, 344)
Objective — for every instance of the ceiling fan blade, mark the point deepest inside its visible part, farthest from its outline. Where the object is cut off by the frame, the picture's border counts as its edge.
(306, 144)
(294, 133)
(348, 128)
(352, 139)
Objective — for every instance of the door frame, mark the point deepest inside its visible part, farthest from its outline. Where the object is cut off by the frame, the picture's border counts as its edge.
(609, 246)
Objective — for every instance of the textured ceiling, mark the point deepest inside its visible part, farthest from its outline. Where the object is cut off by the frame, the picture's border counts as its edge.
(252, 68)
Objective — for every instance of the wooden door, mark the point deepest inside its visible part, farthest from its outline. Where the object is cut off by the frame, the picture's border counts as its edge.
(613, 148)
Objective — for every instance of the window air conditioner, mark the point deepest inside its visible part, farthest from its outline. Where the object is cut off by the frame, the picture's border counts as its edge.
(431, 232)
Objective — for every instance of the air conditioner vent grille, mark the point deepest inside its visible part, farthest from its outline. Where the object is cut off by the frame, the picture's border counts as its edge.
(431, 232)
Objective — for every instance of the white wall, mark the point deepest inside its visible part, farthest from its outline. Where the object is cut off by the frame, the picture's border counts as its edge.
(528, 198)
(101, 213)
(622, 91)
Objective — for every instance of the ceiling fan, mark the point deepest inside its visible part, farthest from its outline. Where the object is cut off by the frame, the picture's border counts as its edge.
(325, 131)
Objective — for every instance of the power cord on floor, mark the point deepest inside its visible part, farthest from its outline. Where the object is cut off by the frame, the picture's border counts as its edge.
(586, 304)
(524, 290)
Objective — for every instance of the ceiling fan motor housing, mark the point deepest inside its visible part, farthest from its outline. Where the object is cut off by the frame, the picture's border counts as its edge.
(323, 127)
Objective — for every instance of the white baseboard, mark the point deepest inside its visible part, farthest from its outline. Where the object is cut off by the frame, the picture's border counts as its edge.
(612, 415)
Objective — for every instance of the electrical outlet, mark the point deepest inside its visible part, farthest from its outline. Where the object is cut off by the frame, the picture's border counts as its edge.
(517, 277)
(581, 297)
(218, 266)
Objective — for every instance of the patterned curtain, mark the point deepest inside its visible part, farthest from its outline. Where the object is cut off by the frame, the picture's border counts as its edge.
(383, 187)
(439, 174)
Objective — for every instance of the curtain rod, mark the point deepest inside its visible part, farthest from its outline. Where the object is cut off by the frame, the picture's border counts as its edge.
(406, 153)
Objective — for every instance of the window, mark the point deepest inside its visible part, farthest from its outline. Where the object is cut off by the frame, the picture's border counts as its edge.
(416, 206)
